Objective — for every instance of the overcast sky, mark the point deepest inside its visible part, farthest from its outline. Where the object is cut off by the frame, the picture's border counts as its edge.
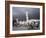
(20, 13)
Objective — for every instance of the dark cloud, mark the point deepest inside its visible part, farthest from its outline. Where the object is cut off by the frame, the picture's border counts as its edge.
(20, 13)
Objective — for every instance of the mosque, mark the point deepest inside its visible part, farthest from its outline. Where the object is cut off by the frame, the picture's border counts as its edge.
(25, 25)
(27, 20)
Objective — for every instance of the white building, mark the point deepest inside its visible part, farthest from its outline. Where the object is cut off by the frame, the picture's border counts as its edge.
(27, 20)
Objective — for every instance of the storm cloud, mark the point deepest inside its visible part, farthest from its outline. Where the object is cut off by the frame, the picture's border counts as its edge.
(20, 13)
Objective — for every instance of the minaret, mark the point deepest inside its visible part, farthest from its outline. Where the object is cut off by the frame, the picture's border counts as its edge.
(27, 16)
(17, 20)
